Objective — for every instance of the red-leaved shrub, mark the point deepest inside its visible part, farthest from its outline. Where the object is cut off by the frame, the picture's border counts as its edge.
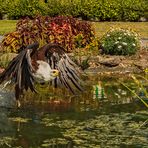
(62, 30)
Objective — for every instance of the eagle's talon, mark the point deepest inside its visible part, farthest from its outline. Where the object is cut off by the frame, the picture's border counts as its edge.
(18, 104)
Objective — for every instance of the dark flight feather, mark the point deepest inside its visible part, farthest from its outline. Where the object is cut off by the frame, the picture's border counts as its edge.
(22, 67)
(58, 59)
(20, 71)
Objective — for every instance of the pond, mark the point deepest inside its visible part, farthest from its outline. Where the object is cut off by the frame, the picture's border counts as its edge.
(113, 117)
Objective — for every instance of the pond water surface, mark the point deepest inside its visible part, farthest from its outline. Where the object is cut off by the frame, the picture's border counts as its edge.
(112, 118)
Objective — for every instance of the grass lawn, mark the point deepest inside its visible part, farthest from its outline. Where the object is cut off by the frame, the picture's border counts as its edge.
(7, 26)
(141, 28)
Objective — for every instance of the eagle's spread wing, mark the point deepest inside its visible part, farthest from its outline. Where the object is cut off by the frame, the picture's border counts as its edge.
(20, 70)
(58, 59)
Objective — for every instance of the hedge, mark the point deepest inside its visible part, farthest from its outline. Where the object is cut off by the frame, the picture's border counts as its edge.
(100, 10)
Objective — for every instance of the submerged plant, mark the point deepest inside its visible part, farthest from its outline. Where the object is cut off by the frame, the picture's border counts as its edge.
(56, 142)
(143, 92)
(19, 119)
(6, 141)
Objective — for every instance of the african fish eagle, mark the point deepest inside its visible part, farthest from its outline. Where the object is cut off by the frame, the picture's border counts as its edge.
(34, 64)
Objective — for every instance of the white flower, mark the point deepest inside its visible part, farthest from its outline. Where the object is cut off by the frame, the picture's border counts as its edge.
(119, 38)
(108, 34)
(112, 29)
(119, 46)
(128, 34)
(134, 44)
(116, 42)
(136, 35)
(124, 43)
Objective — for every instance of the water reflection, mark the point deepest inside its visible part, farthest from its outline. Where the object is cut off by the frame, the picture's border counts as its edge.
(98, 91)
(7, 98)
(94, 118)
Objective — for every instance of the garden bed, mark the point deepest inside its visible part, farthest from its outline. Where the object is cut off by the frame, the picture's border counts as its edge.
(112, 65)
(105, 64)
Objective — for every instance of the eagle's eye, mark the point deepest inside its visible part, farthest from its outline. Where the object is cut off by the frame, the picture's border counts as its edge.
(55, 73)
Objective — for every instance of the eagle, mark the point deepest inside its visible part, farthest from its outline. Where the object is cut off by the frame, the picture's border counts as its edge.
(48, 63)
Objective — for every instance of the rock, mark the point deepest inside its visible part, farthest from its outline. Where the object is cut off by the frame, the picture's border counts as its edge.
(142, 19)
(7, 99)
(110, 62)
(5, 17)
(1, 37)
(144, 43)
(142, 64)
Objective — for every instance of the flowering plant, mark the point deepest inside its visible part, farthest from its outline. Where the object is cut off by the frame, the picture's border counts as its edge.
(120, 42)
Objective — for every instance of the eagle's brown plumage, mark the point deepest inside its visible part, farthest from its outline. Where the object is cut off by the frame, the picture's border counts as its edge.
(22, 68)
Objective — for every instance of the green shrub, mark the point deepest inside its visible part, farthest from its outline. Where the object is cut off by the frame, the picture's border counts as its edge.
(103, 10)
(22, 8)
(62, 30)
(133, 10)
(120, 42)
(3, 8)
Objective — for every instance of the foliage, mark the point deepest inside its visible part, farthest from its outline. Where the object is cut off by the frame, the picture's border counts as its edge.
(143, 92)
(20, 8)
(82, 54)
(142, 95)
(66, 30)
(61, 30)
(120, 42)
(3, 7)
(104, 10)
(64, 7)
(7, 26)
(6, 141)
(19, 119)
(97, 128)
(56, 142)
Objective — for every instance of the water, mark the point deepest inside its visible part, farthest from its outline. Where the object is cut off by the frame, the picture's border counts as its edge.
(115, 118)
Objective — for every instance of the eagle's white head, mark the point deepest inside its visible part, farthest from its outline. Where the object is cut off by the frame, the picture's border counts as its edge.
(44, 73)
